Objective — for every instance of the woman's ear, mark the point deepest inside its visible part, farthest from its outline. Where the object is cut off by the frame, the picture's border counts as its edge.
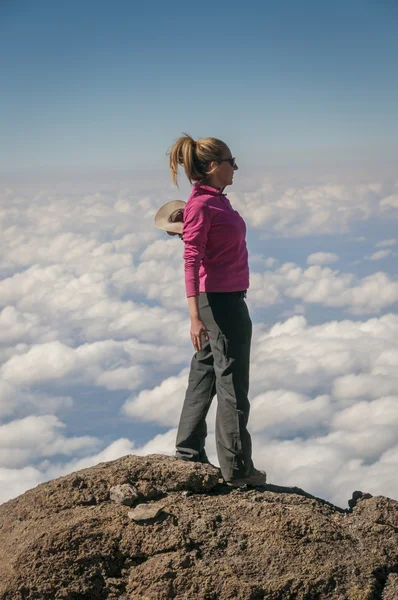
(213, 166)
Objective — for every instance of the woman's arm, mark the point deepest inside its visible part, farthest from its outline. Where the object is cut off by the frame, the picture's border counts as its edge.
(193, 305)
(195, 231)
(198, 328)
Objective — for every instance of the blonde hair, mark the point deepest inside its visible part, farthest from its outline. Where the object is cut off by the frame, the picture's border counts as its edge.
(195, 156)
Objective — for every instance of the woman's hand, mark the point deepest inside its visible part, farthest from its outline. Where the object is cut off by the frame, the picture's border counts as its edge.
(198, 329)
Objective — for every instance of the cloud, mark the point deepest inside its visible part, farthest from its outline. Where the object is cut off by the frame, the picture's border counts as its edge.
(164, 443)
(379, 254)
(390, 202)
(113, 451)
(384, 243)
(44, 362)
(14, 482)
(15, 400)
(295, 355)
(92, 300)
(324, 467)
(322, 258)
(284, 412)
(296, 211)
(381, 412)
(298, 309)
(16, 325)
(161, 404)
(110, 364)
(264, 262)
(317, 285)
(364, 385)
(34, 437)
(84, 306)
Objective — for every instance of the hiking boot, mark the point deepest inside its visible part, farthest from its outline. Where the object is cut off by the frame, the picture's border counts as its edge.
(255, 478)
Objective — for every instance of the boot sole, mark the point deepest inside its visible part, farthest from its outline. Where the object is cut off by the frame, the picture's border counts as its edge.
(242, 482)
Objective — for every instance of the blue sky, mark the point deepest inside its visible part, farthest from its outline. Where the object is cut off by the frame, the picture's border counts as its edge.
(110, 85)
(94, 326)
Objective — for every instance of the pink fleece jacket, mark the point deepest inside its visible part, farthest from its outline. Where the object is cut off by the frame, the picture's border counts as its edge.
(215, 252)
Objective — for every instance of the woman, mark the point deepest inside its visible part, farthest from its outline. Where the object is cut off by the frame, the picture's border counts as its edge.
(216, 279)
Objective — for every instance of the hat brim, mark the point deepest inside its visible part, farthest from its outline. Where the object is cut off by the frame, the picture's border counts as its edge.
(164, 213)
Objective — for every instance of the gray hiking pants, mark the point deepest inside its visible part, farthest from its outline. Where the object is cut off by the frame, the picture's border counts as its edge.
(222, 368)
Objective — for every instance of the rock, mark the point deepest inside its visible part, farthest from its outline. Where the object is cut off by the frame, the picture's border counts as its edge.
(124, 494)
(391, 589)
(356, 497)
(145, 512)
(275, 543)
(149, 491)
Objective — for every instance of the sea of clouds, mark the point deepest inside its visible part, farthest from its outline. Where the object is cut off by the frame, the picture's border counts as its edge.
(94, 331)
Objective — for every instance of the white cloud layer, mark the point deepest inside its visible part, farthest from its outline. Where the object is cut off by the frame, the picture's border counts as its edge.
(324, 286)
(312, 209)
(92, 297)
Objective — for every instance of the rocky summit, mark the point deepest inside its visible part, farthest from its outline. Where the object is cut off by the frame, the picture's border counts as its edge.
(154, 528)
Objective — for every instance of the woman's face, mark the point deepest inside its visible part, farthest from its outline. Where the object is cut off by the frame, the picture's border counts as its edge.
(227, 167)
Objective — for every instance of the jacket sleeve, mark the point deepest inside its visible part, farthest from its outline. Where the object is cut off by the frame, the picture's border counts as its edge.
(195, 231)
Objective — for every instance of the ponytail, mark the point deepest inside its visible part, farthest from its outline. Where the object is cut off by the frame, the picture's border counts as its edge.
(194, 156)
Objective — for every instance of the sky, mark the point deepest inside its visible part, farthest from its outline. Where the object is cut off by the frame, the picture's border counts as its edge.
(105, 85)
(94, 327)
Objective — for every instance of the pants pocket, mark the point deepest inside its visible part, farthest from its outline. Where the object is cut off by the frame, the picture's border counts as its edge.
(222, 346)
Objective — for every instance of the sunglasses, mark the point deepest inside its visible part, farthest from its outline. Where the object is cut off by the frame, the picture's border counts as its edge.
(232, 161)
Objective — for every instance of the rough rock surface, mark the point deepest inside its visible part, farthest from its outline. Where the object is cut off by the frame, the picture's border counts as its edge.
(145, 512)
(67, 540)
(124, 494)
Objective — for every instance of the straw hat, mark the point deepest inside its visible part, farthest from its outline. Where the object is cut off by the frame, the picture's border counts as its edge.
(170, 216)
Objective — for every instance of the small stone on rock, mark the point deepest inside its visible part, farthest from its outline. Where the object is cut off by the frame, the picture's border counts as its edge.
(144, 512)
(125, 494)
